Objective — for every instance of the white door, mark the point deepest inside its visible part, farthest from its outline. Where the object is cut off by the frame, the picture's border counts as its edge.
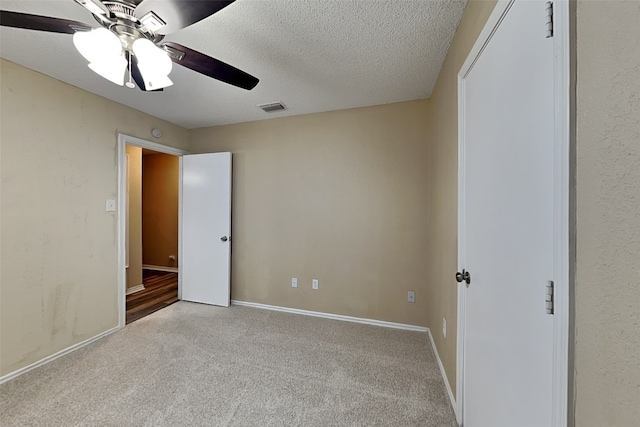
(507, 224)
(206, 228)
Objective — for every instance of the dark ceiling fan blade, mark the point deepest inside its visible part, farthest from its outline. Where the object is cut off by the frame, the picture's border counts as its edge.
(40, 23)
(209, 66)
(137, 76)
(178, 14)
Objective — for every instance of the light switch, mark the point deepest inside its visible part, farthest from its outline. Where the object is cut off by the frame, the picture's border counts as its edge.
(411, 296)
(111, 205)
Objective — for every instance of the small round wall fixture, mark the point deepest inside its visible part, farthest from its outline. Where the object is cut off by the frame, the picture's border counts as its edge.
(157, 133)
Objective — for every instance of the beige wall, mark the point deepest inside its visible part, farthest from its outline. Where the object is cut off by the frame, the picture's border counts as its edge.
(58, 249)
(134, 270)
(342, 197)
(160, 209)
(443, 254)
(607, 364)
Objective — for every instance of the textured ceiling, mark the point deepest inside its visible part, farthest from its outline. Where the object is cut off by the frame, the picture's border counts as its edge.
(313, 55)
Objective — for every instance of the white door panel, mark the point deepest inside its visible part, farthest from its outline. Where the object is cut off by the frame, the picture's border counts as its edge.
(507, 222)
(206, 228)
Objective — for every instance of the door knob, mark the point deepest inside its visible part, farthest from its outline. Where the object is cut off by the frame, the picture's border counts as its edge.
(463, 277)
(224, 238)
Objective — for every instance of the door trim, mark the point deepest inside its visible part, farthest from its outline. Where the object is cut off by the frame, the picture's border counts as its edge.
(561, 220)
(123, 141)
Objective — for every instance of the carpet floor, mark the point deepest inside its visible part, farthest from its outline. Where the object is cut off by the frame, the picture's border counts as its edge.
(198, 365)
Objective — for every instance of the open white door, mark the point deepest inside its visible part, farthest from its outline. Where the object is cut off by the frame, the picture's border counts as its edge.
(206, 228)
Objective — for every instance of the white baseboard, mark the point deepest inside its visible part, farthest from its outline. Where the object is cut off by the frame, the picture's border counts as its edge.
(135, 289)
(55, 356)
(160, 268)
(333, 316)
(444, 375)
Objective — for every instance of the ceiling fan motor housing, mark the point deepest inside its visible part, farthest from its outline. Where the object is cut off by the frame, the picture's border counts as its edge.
(125, 24)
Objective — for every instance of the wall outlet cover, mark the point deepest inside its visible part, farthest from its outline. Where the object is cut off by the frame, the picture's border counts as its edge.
(314, 284)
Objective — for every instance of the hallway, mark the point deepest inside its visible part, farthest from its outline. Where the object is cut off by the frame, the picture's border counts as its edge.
(160, 291)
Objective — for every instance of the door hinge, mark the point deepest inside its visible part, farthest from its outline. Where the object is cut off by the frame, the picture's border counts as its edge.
(549, 298)
(549, 19)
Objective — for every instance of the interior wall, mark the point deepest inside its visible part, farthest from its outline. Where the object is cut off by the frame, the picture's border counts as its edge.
(442, 258)
(134, 207)
(58, 282)
(342, 197)
(160, 184)
(607, 363)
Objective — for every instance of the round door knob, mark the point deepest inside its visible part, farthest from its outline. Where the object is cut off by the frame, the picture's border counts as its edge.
(224, 238)
(463, 277)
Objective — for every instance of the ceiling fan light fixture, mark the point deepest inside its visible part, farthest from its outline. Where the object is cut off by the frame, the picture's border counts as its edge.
(113, 69)
(98, 45)
(154, 64)
(151, 59)
(106, 48)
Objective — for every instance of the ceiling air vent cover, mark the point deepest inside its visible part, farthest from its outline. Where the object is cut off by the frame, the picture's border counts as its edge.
(273, 107)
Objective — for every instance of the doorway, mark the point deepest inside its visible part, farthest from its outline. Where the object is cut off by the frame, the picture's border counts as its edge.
(152, 231)
(204, 224)
(513, 219)
(124, 245)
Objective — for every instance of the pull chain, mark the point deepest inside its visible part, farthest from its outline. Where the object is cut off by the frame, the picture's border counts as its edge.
(130, 84)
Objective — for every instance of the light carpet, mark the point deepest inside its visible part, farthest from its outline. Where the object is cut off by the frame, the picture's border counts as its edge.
(198, 365)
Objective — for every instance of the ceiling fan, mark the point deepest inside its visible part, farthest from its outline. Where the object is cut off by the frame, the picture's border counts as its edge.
(130, 39)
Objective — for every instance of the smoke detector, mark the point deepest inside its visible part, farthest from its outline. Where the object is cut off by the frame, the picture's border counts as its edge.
(272, 107)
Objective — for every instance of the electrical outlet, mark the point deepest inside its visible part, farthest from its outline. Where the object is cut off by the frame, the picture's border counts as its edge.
(411, 296)
(294, 282)
(314, 284)
(444, 327)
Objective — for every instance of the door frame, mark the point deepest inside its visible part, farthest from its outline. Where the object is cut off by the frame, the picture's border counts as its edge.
(561, 215)
(123, 141)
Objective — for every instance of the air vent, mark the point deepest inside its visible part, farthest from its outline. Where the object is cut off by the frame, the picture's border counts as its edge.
(272, 107)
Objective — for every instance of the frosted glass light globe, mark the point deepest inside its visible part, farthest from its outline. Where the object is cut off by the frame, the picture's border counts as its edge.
(151, 58)
(98, 45)
(113, 69)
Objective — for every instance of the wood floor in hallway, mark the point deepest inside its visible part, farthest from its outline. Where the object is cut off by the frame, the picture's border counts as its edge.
(160, 291)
